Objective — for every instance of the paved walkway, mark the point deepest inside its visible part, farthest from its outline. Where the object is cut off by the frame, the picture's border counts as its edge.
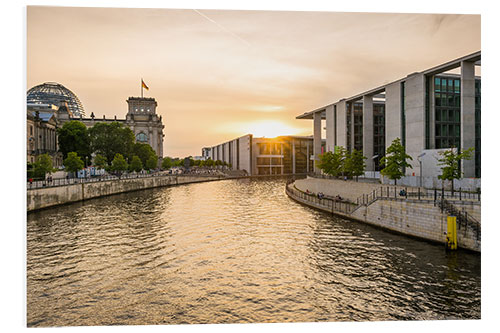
(349, 189)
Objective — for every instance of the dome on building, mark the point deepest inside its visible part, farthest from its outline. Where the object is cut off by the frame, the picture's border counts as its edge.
(55, 93)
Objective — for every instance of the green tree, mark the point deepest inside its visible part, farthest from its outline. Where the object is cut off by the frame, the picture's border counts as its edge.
(143, 151)
(73, 162)
(42, 166)
(135, 164)
(73, 136)
(394, 161)
(109, 139)
(119, 164)
(166, 163)
(210, 162)
(333, 163)
(356, 164)
(450, 164)
(100, 161)
(152, 162)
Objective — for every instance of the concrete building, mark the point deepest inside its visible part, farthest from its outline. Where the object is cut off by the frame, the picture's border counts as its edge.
(265, 156)
(428, 110)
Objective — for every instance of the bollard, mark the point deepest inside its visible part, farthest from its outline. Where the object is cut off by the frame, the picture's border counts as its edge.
(451, 235)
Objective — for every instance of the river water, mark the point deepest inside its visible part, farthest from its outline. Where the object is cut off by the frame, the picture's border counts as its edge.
(233, 251)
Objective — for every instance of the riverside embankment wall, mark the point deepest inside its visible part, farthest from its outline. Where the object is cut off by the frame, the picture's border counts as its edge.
(58, 195)
(416, 218)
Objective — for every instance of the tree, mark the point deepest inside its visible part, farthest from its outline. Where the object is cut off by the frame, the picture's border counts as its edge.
(73, 136)
(166, 163)
(152, 163)
(109, 139)
(119, 164)
(333, 163)
(450, 162)
(135, 164)
(210, 162)
(356, 163)
(42, 166)
(100, 162)
(394, 161)
(73, 162)
(144, 152)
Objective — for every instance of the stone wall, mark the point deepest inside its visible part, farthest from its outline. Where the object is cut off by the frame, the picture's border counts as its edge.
(417, 218)
(53, 196)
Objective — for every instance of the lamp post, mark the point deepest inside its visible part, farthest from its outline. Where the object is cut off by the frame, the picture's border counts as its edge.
(420, 162)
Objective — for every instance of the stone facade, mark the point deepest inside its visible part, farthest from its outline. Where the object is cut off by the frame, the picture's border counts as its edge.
(41, 134)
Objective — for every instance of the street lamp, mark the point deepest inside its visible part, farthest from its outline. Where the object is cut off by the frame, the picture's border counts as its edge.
(420, 162)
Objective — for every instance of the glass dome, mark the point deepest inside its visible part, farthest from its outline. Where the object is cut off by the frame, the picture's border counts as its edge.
(55, 93)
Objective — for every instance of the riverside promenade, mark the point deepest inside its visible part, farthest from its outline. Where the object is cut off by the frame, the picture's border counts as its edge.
(410, 211)
(75, 190)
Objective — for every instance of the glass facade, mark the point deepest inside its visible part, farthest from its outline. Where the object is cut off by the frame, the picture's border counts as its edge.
(348, 124)
(403, 115)
(358, 126)
(447, 112)
(378, 134)
(477, 150)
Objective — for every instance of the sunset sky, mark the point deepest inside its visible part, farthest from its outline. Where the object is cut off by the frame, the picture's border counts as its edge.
(220, 74)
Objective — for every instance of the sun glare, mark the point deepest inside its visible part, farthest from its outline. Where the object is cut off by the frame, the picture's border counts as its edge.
(270, 129)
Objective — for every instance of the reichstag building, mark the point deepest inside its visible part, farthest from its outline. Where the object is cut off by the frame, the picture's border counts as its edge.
(50, 105)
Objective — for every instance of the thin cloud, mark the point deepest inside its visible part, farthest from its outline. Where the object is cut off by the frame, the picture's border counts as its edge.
(223, 28)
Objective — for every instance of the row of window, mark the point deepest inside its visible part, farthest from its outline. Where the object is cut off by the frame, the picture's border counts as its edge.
(446, 84)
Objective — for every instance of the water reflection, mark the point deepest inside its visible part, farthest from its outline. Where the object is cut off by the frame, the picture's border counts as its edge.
(228, 252)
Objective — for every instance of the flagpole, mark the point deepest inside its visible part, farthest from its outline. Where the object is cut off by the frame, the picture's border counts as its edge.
(142, 88)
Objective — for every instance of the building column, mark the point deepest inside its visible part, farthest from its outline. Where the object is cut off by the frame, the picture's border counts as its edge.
(308, 158)
(368, 132)
(342, 124)
(414, 111)
(432, 113)
(317, 139)
(392, 113)
(467, 115)
(293, 156)
(330, 128)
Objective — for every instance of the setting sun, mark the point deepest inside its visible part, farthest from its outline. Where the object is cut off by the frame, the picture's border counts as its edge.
(262, 128)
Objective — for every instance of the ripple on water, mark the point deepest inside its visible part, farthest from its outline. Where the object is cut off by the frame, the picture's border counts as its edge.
(232, 252)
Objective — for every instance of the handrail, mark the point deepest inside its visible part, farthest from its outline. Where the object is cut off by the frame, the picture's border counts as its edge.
(94, 179)
(464, 220)
(333, 205)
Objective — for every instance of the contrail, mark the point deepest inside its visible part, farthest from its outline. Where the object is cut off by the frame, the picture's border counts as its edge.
(223, 28)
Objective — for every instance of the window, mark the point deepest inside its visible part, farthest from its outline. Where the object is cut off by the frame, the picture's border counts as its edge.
(141, 137)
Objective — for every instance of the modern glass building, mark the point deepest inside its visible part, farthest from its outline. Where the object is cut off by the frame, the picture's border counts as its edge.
(431, 110)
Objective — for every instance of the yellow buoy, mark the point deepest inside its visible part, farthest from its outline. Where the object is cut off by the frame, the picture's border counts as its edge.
(451, 235)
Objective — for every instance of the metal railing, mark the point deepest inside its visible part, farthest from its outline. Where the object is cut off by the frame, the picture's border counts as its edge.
(415, 193)
(95, 179)
(464, 220)
(334, 205)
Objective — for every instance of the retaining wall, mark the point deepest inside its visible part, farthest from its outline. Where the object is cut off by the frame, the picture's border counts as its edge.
(58, 195)
(417, 218)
